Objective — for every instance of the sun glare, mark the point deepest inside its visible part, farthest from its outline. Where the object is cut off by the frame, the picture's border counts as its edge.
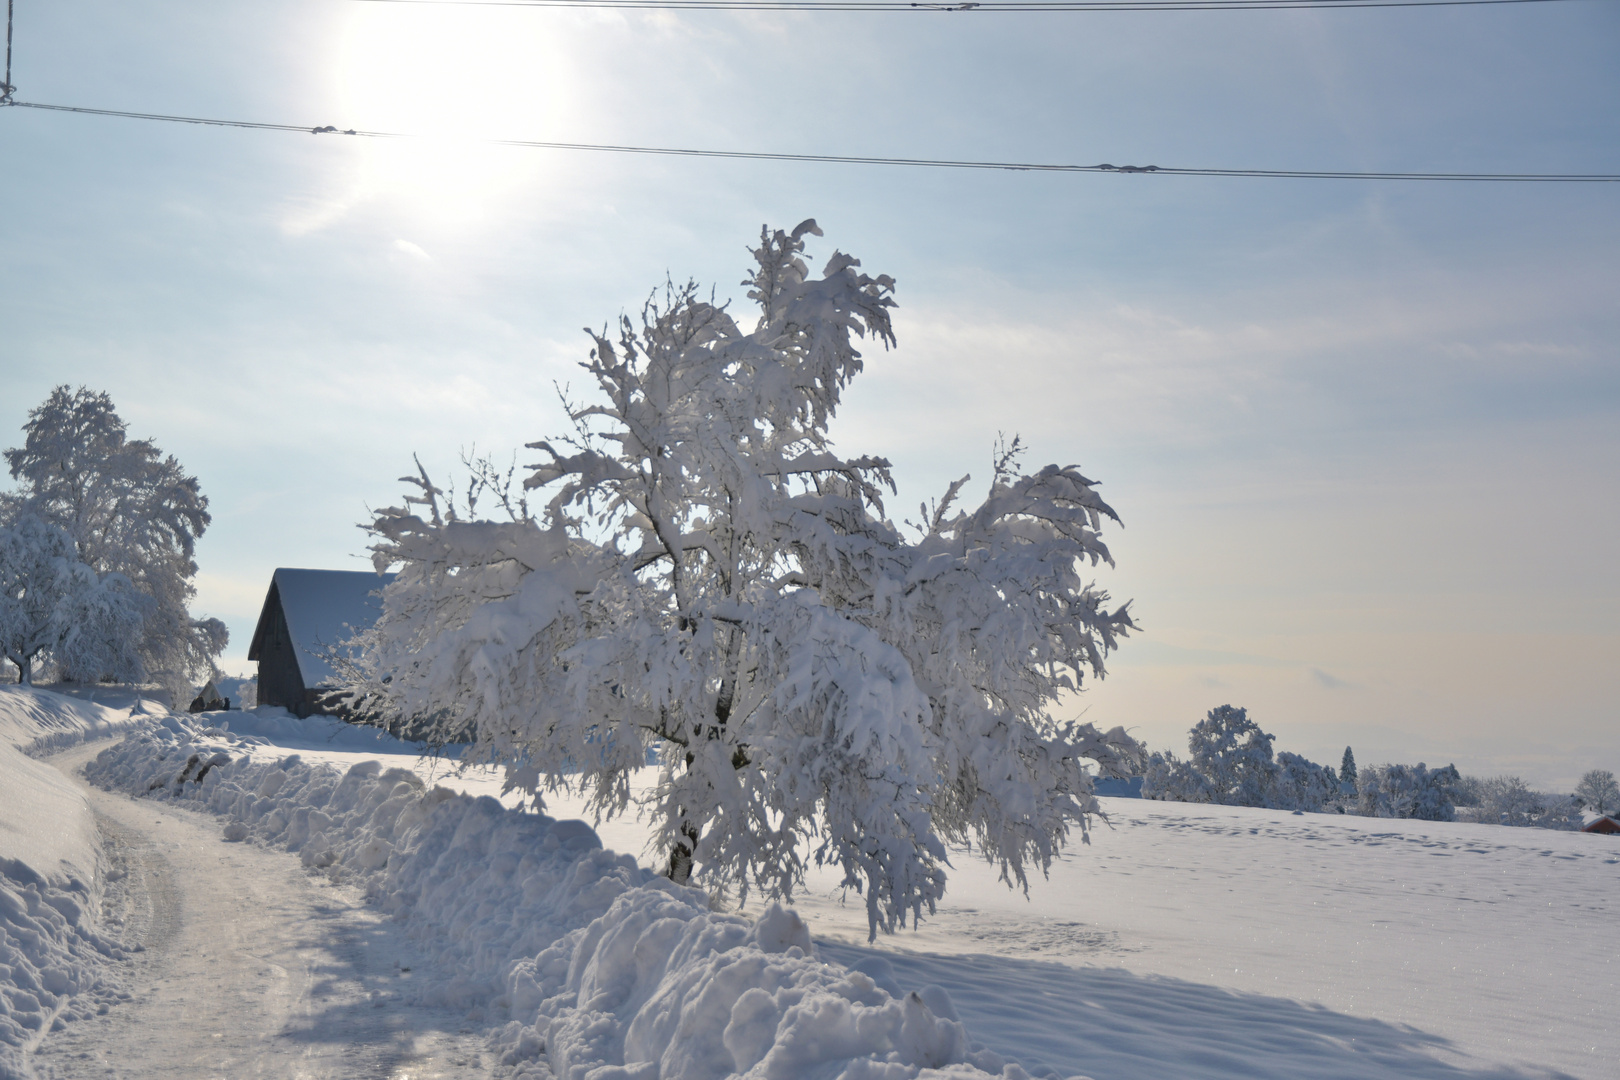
(450, 78)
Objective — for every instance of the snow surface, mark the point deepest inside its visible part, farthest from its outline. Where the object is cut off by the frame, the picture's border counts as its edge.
(1185, 941)
(52, 959)
(596, 966)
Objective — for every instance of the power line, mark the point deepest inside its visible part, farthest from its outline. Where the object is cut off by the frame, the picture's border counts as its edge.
(857, 159)
(1025, 6)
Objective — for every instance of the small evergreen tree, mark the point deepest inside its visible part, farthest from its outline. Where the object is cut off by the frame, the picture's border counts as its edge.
(1347, 768)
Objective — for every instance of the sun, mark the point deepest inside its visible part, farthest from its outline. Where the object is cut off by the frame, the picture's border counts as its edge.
(451, 78)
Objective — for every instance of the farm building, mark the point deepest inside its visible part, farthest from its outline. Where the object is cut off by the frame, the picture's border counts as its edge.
(1603, 824)
(307, 615)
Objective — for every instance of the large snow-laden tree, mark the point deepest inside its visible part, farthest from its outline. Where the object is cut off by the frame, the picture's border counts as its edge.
(708, 578)
(53, 605)
(131, 510)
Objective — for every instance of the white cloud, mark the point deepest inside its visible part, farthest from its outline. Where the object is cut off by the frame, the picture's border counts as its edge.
(413, 250)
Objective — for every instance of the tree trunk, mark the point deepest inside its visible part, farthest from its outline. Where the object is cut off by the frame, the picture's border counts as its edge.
(680, 856)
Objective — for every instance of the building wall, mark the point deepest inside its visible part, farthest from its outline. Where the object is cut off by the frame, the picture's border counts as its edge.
(280, 682)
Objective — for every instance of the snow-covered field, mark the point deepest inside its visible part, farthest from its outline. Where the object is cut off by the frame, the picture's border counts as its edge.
(1184, 942)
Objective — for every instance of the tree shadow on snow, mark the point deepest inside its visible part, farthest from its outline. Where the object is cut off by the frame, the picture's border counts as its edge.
(373, 994)
(1110, 1024)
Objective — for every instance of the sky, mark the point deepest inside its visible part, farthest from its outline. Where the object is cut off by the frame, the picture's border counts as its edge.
(1364, 437)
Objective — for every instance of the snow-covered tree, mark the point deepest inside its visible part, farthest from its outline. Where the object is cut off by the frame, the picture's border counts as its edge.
(130, 510)
(1408, 791)
(1230, 762)
(51, 604)
(1508, 800)
(1347, 767)
(1599, 792)
(1235, 755)
(1170, 779)
(1302, 784)
(709, 578)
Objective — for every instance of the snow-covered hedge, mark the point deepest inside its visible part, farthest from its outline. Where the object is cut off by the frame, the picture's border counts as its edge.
(581, 958)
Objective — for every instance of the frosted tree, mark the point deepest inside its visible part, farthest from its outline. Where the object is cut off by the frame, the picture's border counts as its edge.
(1235, 755)
(1170, 779)
(1408, 791)
(1508, 800)
(130, 510)
(55, 606)
(1230, 762)
(1599, 792)
(708, 578)
(1301, 784)
(1346, 796)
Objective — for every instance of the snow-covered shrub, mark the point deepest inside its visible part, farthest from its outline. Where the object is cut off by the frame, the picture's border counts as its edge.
(131, 511)
(1169, 779)
(1508, 800)
(1301, 784)
(709, 578)
(1408, 791)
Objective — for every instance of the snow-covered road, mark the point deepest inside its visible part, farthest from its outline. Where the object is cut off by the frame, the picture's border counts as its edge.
(251, 966)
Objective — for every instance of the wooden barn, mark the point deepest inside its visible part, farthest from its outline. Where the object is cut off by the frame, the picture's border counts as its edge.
(307, 614)
(1605, 824)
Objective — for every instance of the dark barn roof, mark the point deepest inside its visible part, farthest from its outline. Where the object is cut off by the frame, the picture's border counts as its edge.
(306, 613)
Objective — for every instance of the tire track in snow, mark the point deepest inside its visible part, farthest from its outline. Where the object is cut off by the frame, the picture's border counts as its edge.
(249, 966)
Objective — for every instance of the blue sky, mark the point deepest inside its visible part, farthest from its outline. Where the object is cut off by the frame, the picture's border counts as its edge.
(1363, 435)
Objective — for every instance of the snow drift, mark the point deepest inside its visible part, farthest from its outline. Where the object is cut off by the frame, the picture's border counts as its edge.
(52, 959)
(589, 966)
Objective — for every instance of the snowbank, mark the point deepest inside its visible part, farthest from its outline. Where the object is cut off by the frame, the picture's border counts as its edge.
(51, 957)
(37, 721)
(278, 726)
(588, 966)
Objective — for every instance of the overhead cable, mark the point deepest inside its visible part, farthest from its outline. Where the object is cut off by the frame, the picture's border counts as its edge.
(857, 159)
(971, 5)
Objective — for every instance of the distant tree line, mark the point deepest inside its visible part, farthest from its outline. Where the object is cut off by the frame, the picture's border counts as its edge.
(97, 549)
(1231, 762)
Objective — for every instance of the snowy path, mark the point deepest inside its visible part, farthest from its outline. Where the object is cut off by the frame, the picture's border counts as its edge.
(252, 967)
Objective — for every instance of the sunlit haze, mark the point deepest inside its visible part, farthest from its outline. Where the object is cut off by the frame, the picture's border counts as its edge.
(1364, 437)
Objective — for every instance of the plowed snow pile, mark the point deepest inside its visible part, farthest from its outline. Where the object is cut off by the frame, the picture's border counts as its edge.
(601, 970)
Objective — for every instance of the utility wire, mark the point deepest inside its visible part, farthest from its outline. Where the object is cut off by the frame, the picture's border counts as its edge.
(858, 159)
(970, 5)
